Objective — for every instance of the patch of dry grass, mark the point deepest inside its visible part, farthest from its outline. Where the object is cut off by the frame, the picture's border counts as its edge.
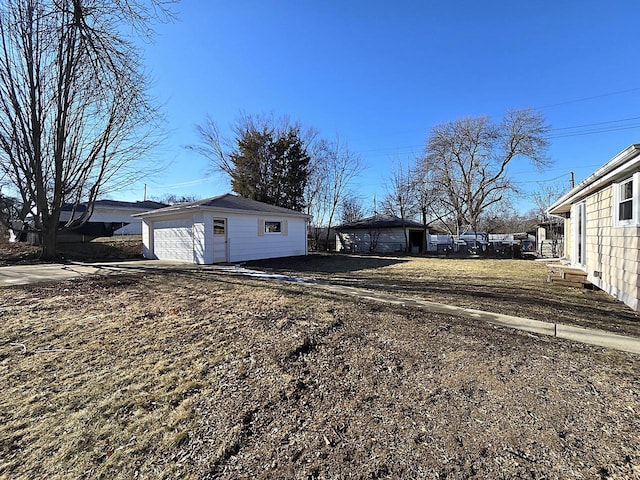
(198, 375)
(99, 249)
(514, 287)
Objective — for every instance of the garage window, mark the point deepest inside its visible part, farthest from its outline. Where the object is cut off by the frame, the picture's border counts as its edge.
(272, 227)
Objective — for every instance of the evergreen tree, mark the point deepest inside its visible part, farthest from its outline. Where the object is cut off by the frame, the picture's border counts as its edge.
(270, 166)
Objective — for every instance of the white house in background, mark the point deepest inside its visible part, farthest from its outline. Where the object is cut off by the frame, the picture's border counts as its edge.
(602, 226)
(226, 228)
(109, 217)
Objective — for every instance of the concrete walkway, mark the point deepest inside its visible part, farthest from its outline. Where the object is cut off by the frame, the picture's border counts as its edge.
(577, 334)
(29, 274)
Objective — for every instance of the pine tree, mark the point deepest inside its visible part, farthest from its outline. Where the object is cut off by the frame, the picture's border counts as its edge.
(270, 167)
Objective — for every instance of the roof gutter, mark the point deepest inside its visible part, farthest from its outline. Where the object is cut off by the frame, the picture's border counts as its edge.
(605, 175)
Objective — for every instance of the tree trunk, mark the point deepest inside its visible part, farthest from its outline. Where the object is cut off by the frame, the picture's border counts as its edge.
(425, 241)
(49, 240)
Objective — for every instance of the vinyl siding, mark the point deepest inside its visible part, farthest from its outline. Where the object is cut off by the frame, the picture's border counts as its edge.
(389, 241)
(613, 253)
(247, 240)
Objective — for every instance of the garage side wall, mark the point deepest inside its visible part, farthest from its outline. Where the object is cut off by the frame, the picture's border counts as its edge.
(359, 240)
(248, 240)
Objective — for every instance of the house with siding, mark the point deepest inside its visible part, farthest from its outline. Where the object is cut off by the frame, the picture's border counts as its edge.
(602, 226)
(108, 218)
(226, 228)
(381, 234)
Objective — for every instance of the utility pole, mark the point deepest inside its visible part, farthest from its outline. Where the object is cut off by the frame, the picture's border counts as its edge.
(572, 181)
(145, 192)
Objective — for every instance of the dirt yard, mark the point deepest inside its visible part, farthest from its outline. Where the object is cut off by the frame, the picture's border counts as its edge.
(202, 376)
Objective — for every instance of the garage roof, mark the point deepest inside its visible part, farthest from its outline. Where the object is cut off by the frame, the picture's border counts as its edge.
(226, 202)
(379, 221)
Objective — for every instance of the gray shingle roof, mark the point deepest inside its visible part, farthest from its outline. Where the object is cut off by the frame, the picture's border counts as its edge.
(379, 221)
(145, 205)
(229, 201)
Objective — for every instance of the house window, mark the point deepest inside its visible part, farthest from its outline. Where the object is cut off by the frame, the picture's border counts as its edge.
(625, 202)
(272, 227)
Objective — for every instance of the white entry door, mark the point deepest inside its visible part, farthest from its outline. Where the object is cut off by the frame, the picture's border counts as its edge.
(579, 228)
(219, 240)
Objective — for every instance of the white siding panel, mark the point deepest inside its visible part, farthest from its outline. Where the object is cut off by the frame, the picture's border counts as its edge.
(388, 240)
(173, 240)
(244, 243)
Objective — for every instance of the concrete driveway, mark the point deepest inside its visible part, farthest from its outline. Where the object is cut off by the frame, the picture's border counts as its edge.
(51, 272)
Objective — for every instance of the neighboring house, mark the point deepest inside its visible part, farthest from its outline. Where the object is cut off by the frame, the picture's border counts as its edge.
(550, 238)
(380, 234)
(226, 228)
(602, 226)
(109, 217)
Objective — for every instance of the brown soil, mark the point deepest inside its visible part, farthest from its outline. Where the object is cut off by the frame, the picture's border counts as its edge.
(17, 253)
(198, 375)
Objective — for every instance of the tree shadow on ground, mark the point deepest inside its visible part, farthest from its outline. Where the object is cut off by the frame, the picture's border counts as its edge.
(319, 263)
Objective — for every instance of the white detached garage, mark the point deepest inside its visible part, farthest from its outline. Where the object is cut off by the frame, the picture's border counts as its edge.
(220, 229)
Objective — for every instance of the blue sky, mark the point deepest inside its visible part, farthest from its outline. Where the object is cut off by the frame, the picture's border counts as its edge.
(381, 74)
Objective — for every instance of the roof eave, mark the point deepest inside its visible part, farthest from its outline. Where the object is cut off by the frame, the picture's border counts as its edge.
(614, 168)
(192, 208)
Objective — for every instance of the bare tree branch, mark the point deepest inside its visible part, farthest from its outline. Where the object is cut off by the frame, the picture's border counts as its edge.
(470, 156)
(75, 117)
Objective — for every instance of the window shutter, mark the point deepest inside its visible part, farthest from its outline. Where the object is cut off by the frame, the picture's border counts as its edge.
(285, 227)
(260, 227)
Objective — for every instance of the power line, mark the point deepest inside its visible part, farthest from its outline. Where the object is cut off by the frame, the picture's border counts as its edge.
(521, 182)
(593, 132)
(595, 124)
(411, 148)
(620, 92)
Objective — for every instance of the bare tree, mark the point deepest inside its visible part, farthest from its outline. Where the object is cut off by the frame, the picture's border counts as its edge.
(351, 209)
(74, 113)
(172, 198)
(342, 167)
(470, 157)
(424, 196)
(315, 194)
(400, 197)
(504, 218)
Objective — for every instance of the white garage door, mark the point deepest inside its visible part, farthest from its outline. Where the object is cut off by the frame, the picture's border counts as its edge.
(173, 240)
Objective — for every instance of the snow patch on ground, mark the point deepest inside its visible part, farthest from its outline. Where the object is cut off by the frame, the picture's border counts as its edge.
(239, 270)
